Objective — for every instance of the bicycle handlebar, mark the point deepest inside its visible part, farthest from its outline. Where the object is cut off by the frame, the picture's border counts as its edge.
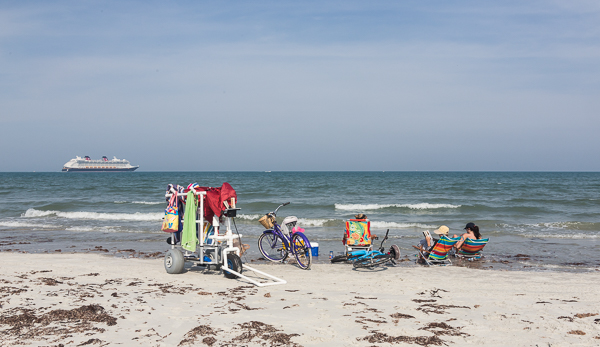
(382, 241)
(280, 206)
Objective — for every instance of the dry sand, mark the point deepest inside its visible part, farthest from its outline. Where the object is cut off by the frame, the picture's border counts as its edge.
(95, 300)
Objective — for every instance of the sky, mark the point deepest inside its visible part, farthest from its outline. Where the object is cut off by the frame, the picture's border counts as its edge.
(301, 85)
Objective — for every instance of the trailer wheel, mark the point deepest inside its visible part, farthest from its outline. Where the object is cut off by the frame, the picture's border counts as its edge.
(234, 263)
(174, 261)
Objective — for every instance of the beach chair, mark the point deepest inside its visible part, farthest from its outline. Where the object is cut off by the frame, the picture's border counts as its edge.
(438, 255)
(472, 249)
(358, 235)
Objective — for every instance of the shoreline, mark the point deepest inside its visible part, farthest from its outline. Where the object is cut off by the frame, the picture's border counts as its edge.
(76, 299)
(518, 262)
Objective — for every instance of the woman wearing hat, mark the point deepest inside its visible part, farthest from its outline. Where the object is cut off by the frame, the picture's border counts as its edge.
(428, 242)
(472, 232)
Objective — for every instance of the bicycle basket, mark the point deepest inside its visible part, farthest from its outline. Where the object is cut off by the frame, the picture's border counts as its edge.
(267, 221)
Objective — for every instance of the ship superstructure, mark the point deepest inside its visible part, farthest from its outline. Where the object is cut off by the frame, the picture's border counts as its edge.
(88, 164)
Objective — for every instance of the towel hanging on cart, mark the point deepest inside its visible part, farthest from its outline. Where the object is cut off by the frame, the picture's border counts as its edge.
(189, 240)
(215, 198)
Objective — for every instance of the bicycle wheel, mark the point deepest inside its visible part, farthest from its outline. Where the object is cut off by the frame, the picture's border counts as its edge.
(339, 258)
(302, 251)
(372, 261)
(271, 246)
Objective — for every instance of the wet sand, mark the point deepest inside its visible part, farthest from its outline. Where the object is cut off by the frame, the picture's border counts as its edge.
(91, 299)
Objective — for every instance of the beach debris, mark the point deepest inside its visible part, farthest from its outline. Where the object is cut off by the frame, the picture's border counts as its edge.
(202, 330)
(434, 292)
(443, 329)
(27, 325)
(171, 289)
(10, 291)
(90, 342)
(438, 309)
(362, 320)
(49, 281)
(264, 332)
(243, 306)
(584, 315)
(576, 332)
(401, 315)
(379, 337)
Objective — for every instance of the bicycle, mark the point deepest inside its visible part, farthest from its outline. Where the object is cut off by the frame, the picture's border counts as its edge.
(372, 258)
(276, 245)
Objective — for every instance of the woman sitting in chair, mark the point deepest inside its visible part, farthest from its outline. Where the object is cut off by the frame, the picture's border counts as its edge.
(428, 242)
(472, 232)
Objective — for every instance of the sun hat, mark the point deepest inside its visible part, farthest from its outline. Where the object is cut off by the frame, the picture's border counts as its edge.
(443, 230)
(470, 226)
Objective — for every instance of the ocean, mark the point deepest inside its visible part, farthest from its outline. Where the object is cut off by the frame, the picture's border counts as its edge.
(541, 221)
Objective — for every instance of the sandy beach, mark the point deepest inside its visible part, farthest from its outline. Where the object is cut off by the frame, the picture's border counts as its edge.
(96, 300)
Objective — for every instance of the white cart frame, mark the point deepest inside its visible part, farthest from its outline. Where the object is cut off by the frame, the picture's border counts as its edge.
(223, 245)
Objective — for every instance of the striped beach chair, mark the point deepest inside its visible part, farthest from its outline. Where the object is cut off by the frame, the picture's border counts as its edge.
(438, 255)
(472, 249)
(357, 235)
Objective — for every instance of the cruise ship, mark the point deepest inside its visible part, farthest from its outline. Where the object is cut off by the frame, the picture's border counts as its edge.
(87, 164)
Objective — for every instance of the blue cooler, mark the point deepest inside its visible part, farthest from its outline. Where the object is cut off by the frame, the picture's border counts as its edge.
(315, 249)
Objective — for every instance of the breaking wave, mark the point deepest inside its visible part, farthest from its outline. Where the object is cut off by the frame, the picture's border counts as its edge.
(15, 224)
(420, 206)
(383, 225)
(251, 217)
(33, 213)
(314, 222)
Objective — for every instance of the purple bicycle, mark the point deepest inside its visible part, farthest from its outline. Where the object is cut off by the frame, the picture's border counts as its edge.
(278, 241)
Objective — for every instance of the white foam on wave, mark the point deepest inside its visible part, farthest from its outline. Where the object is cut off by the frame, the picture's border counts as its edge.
(15, 224)
(560, 227)
(88, 228)
(420, 206)
(33, 213)
(140, 202)
(250, 216)
(565, 225)
(301, 221)
(313, 222)
(562, 236)
(383, 225)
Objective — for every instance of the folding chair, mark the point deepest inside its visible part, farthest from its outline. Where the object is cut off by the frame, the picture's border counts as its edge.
(472, 249)
(438, 255)
(358, 235)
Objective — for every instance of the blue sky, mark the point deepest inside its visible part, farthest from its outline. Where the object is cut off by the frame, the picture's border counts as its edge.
(282, 85)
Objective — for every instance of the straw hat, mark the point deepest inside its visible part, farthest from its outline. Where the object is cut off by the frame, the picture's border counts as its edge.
(443, 230)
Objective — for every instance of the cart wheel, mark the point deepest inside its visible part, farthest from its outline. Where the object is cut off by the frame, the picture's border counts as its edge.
(234, 263)
(174, 261)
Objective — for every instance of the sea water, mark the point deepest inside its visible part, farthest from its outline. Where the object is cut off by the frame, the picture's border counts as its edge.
(535, 220)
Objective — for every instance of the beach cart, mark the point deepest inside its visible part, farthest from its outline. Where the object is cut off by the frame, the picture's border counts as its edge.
(197, 241)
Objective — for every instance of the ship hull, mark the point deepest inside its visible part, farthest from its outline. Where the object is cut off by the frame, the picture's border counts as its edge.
(98, 170)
